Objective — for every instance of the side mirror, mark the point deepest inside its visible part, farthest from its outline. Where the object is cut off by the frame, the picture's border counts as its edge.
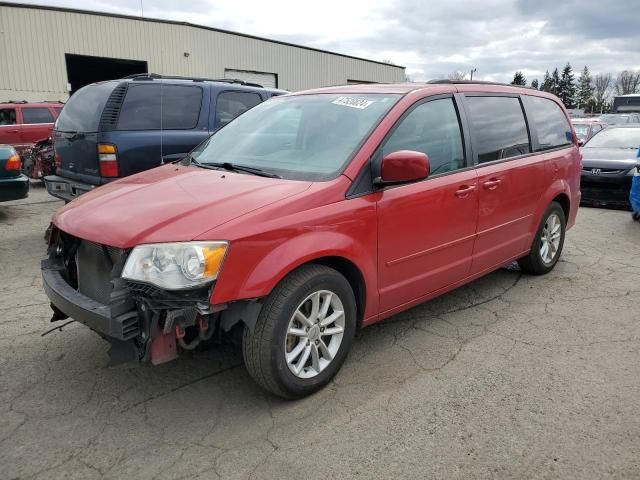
(403, 166)
(580, 142)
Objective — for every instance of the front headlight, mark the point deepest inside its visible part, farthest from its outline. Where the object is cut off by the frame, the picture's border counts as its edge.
(176, 266)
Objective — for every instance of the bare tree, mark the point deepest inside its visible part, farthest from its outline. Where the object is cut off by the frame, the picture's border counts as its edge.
(457, 76)
(627, 82)
(601, 90)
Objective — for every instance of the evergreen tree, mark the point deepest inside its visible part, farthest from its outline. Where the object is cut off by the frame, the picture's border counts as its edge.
(519, 79)
(546, 82)
(535, 84)
(585, 89)
(554, 83)
(567, 87)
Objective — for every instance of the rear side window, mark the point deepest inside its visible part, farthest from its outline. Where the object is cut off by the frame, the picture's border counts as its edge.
(550, 123)
(499, 128)
(82, 111)
(36, 115)
(229, 105)
(432, 128)
(7, 116)
(158, 106)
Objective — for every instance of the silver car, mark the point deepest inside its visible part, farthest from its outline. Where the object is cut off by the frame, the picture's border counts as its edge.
(609, 161)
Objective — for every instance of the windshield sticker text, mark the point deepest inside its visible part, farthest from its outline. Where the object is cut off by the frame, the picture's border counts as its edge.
(353, 102)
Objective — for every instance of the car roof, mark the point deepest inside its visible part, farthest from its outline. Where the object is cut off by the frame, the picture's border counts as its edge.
(404, 88)
(586, 120)
(625, 125)
(24, 103)
(229, 83)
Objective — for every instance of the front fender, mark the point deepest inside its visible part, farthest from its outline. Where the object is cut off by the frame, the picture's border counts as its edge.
(255, 265)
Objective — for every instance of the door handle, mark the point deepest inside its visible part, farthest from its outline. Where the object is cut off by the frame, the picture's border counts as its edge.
(465, 190)
(492, 184)
(12, 131)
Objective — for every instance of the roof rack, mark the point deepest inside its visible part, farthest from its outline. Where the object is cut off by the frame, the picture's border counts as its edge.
(155, 76)
(475, 82)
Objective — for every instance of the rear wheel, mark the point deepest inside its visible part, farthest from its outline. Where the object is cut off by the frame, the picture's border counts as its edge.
(548, 242)
(303, 334)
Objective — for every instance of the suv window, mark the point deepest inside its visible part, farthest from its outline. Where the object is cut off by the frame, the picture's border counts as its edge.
(36, 115)
(500, 130)
(7, 116)
(550, 122)
(156, 106)
(432, 128)
(82, 111)
(231, 104)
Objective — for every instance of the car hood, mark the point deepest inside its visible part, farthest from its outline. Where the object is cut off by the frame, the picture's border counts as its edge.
(619, 158)
(169, 204)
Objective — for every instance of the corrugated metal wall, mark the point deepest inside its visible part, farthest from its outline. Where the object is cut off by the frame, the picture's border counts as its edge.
(33, 43)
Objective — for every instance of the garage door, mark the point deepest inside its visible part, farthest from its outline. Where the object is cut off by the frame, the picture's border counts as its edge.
(268, 80)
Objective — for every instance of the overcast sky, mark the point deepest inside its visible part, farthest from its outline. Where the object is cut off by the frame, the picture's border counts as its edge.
(431, 38)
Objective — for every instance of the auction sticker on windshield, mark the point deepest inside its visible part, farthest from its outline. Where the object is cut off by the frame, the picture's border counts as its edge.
(353, 102)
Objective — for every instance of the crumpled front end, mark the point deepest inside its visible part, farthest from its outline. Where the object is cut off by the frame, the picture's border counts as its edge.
(83, 281)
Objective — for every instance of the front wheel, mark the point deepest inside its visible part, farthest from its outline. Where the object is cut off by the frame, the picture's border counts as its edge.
(548, 242)
(303, 333)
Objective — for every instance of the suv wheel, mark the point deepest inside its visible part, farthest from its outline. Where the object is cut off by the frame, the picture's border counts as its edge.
(303, 334)
(548, 242)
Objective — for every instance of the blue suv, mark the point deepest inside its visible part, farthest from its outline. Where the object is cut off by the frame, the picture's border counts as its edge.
(109, 130)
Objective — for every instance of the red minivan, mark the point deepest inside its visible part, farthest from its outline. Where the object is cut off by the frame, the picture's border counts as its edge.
(22, 124)
(314, 214)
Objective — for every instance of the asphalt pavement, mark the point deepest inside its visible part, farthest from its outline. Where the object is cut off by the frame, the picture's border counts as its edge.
(512, 376)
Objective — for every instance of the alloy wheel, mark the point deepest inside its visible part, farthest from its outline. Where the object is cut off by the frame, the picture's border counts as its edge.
(550, 238)
(314, 334)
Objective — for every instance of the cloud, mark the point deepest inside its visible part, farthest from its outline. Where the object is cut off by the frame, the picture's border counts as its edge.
(432, 39)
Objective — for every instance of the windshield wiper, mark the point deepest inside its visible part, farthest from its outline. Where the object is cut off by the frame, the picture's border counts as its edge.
(239, 168)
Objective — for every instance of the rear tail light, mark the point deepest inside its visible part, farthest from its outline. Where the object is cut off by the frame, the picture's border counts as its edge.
(108, 160)
(14, 164)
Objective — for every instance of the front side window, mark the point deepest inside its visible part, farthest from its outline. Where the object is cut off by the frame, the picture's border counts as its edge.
(499, 128)
(160, 107)
(550, 123)
(230, 105)
(431, 128)
(7, 116)
(36, 115)
(305, 137)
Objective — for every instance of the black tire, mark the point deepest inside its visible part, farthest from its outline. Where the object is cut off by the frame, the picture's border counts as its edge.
(533, 263)
(263, 349)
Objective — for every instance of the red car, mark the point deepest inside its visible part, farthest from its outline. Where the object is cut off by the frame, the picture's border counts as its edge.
(22, 124)
(314, 214)
(586, 128)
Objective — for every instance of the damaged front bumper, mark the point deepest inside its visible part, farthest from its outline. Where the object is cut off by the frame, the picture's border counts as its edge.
(140, 321)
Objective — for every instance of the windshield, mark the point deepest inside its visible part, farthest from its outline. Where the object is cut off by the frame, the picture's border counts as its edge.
(616, 138)
(82, 111)
(582, 131)
(615, 119)
(305, 137)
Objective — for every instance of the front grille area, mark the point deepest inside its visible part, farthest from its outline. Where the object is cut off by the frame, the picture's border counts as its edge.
(604, 171)
(91, 267)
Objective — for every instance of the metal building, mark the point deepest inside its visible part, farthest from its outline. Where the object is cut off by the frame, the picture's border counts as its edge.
(46, 53)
